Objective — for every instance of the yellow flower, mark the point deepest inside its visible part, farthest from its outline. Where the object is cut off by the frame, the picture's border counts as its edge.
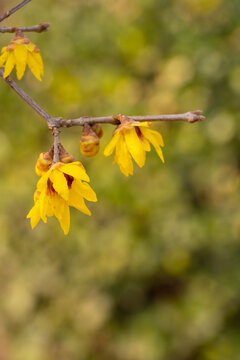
(63, 185)
(132, 139)
(21, 52)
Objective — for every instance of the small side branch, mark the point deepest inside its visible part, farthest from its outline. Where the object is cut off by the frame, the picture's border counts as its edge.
(49, 119)
(14, 9)
(190, 116)
(54, 123)
(56, 134)
(36, 28)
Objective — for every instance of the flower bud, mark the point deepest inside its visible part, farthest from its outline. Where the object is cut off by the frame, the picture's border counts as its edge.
(97, 128)
(44, 162)
(89, 142)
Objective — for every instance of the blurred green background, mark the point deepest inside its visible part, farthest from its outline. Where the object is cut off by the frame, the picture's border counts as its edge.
(154, 274)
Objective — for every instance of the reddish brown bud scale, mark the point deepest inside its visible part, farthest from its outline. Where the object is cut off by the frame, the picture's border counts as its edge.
(89, 142)
(64, 156)
(97, 128)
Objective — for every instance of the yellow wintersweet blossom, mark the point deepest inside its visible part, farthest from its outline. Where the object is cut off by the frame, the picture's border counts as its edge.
(63, 185)
(21, 52)
(132, 139)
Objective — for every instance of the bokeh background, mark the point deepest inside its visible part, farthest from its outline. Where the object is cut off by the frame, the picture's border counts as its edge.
(154, 274)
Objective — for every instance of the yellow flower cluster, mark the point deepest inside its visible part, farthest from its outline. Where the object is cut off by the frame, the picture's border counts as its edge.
(132, 139)
(21, 52)
(59, 187)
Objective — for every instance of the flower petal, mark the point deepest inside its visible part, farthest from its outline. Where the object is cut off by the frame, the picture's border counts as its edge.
(20, 53)
(84, 190)
(3, 58)
(9, 64)
(77, 201)
(135, 147)
(65, 219)
(123, 158)
(110, 147)
(34, 215)
(157, 136)
(38, 58)
(42, 182)
(75, 170)
(59, 183)
(43, 204)
(57, 206)
(152, 138)
(34, 66)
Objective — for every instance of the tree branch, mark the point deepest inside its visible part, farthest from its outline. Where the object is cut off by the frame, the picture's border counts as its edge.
(36, 28)
(51, 122)
(190, 116)
(14, 9)
(56, 134)
(58, 122)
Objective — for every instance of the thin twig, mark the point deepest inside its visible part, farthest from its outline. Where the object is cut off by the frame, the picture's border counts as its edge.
(56, 134)
(190, 116)
(58, 122)
(49, 119)
(14, 9)
(36, 28)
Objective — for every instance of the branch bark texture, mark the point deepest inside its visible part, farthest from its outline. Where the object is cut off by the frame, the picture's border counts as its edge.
(36, 28)
(58, 122)
(14, 9)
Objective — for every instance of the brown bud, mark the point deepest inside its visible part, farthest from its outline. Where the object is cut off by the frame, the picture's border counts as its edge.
(44, 162)
(89, 142)
(97, 128)
(64, 156)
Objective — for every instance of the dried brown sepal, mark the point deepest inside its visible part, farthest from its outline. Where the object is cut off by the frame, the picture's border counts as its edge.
(97, 128)
(64, 156)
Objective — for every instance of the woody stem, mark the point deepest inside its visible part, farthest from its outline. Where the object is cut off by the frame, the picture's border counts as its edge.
(58, 122)
(14, 9)
(56, 134)
(36, 28)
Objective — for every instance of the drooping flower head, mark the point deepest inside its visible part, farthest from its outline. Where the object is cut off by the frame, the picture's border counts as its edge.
(63, 185)
(132, 139)
(21, 52)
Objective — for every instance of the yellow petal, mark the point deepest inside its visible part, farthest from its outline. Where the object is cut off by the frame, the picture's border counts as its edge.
(43, 204)
(123, 158)
(145, 144)
(38, 58)
(110, 147)
(135, 147)
(59, 183)
(57, 206)
(75, 170)
(157, 136)
(151, 137)
(3, 58)
(141, 124)
(34, 66)
(4, 49)
(77, 201)
(9, 64)
(50, 211)
(65, 219)
(42, 182)
(20, 53)
(84, 190)
(34, 215)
